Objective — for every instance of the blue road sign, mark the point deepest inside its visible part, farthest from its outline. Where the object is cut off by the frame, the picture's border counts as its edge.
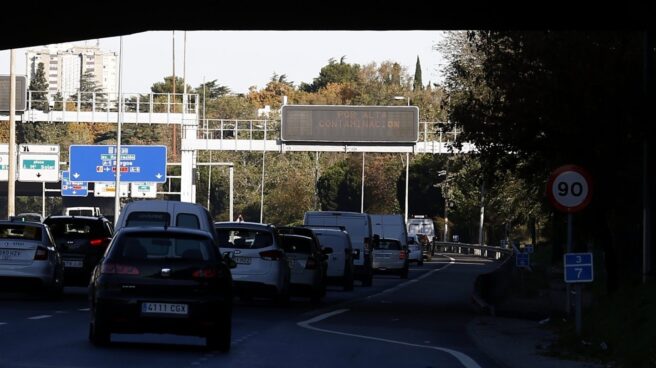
(578, 267)
(98, 163)
(528, 248)
(73, 188)
(522, 260)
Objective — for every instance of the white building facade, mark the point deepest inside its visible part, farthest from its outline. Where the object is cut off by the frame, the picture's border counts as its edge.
(64, 67)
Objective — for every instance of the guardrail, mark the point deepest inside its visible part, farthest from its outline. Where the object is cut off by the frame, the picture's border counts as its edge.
(472, 249)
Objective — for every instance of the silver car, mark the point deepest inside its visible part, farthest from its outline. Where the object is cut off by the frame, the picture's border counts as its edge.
(389, 256)
(308, 265)
(29, 258)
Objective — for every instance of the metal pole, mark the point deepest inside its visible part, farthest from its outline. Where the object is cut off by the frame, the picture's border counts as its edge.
(262, 193)
(569, 250)
(175, 127)
(43, 199)
(362, 189)
(578, 289)
(11, 185)
(316, 180)
(117, 185)
(646, 201)
(446, 215)
(480, 227)
(407, 179)
(209, 182)
(232, 169)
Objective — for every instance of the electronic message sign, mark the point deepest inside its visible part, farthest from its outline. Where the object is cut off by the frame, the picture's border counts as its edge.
(350, 124)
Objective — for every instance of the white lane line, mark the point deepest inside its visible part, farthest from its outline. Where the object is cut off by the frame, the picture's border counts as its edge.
(83, 309)
(40, 317)
(3, 323)
(464, 359)
(404, 284)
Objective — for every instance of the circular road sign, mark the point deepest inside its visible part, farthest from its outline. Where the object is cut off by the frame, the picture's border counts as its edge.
(569, 188)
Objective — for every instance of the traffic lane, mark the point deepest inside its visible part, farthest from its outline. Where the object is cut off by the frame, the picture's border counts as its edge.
(19, 306)
(431, 312)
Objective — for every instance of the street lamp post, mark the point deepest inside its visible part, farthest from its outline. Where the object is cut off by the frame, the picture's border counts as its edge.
(446, 203)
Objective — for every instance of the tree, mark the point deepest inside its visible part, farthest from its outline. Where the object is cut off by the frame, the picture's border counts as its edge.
(334, 72)
(417, 84)
(89, 92)
(39, 89)
(533, 101)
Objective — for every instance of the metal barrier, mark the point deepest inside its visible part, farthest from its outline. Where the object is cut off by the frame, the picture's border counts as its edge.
(472, 249)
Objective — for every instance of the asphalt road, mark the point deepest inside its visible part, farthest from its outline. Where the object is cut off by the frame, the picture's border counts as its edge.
(418, 322)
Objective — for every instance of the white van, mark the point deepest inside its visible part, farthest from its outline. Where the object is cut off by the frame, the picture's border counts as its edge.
(358, 226)
(156, 212)
(82, 211)
(393, 227)
(340, 261)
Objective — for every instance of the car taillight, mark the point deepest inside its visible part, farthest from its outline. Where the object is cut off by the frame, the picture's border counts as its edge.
(41, 254)
(311, 264)
(403, 255)
(206, 273)
(118, 269)
(96, 242)
(271, 255)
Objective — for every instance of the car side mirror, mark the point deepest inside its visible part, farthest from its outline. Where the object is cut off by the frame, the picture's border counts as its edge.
(327, 250)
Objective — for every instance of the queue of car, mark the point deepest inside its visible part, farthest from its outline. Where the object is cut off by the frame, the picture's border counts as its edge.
(168, 268)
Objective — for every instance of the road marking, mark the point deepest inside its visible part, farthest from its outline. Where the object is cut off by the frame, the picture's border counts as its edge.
(40, 317)
(83, 309)
(464, 359)
(404, 284)
(3, 323)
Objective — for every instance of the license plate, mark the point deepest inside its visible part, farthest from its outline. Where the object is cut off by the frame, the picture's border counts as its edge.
(292, 262)
(9, 254)
(164, 308)
(243, 260)
(381, 255)
(73, 263)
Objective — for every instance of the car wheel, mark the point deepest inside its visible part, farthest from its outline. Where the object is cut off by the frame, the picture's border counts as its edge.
(404, 273)
(57, 289)
(99, 334)
(220, 340)
(348, 282)
(368, 280)
(420, 262)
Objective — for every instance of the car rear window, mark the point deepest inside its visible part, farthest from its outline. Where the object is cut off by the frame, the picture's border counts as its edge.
(244, 238)
(385, 244)
(163, 246)
(76, 227)
(187, 220)
(296, 244)
(144, 218)
(17, 231)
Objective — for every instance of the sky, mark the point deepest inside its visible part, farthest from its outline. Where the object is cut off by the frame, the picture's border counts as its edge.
(240, 59)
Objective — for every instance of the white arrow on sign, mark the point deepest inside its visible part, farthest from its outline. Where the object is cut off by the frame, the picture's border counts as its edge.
(76, 175)
(159, 176)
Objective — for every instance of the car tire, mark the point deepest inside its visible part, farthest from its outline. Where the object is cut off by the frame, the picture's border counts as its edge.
(348, 282)
(220, 340)
(56, 290)
(99, 334)
(368, 279)
(404, 273)
(420, 262)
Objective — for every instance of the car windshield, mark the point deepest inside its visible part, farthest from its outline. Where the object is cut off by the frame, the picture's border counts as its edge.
(162, 246)
(244, 238)
(19, 231)
(296, 244)
(387, 244)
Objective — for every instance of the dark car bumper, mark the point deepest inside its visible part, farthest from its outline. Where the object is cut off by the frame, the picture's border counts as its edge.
(124, 315)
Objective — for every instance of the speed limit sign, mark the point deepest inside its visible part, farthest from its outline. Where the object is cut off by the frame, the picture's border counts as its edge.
(569, 188)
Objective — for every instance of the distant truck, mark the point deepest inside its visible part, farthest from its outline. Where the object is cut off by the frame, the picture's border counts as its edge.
(390, 227)
(421, 225)
(82, 211)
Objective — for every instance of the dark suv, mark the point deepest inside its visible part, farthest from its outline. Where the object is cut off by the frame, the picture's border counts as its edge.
(81, 241)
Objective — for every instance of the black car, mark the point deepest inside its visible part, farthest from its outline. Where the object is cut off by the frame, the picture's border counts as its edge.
(81, 241)
(162, 280)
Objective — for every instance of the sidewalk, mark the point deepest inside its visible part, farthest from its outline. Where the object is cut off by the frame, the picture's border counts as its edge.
(517, 343)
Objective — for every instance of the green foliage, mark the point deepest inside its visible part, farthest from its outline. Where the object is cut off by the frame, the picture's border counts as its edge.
(417, 83)
(39, 88)
(334, 72)
(89, 92)
(533, 101)
(339, 188)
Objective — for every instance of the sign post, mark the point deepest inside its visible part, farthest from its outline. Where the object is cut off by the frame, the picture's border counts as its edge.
(569, 189)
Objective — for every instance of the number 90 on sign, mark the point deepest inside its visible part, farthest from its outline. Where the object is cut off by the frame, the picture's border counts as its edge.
(569, 188)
